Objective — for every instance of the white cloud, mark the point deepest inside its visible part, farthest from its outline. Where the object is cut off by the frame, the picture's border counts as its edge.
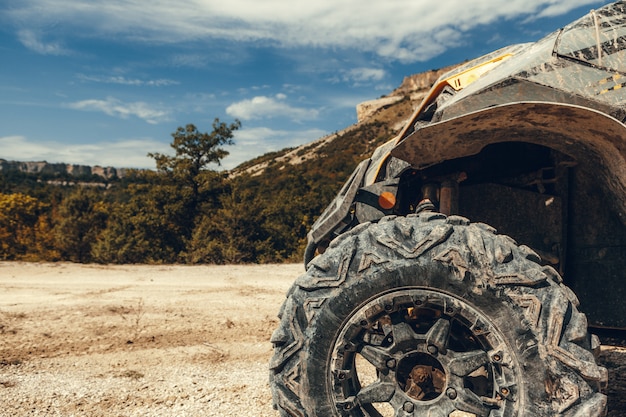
(404, 30)
(365, 74)
(131, 153)
(32, 41)
(558, 8)
(264, 107)
(361, 76)
(116, 108)
(16, 147)
(127, 81)
(189, 60)
(250, 143)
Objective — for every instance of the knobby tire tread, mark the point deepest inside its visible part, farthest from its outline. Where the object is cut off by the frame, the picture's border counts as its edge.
(479, 261)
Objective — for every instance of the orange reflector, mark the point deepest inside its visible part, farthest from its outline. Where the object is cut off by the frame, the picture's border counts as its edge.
(386, 200)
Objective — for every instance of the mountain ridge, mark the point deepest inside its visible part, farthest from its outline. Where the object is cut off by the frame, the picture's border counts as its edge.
(61, 169)
(412, 90)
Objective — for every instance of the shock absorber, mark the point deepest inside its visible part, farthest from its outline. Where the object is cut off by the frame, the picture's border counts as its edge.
(444, 193)
(430, 191)
(449, 197)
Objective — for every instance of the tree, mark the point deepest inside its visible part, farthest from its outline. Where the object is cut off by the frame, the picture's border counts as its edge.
(20, 217)
(81, 218)
(195, 151)
(233, 233)
(146, 227)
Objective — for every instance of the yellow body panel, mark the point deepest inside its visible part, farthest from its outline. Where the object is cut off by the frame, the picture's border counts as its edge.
(457, 82)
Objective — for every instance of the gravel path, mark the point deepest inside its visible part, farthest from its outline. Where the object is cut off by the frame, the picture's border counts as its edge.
(90, 341)
(138, 341)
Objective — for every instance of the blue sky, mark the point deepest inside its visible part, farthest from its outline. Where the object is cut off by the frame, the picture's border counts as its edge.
(106, 82)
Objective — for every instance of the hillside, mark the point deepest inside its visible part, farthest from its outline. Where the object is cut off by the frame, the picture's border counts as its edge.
(389, 113)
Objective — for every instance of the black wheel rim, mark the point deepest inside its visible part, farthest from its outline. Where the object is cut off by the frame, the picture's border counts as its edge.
(418, 351)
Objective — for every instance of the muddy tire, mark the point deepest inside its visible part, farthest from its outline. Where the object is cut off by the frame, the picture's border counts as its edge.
(429, 315)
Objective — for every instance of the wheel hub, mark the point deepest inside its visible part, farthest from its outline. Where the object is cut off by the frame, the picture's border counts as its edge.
(421, 376)
(418, 350)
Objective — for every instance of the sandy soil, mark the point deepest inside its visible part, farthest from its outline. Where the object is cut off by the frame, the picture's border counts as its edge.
(80, 340)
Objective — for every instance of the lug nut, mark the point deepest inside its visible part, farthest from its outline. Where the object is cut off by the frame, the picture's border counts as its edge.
(408, 407)
(451, 393)
(432, 349)
(391, 363)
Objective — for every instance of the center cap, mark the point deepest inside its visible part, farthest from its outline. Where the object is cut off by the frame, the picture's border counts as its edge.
(421, 376)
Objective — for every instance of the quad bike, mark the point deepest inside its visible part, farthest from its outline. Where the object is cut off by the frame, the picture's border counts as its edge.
(408, 308)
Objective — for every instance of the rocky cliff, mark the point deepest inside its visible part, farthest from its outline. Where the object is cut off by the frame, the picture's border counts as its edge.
(413, 86)
(60, 169)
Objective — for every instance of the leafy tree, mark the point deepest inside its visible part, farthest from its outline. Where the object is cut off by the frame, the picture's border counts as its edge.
(187, 171)
(194, 152)
(20, 215)
(81, 217)
(231, 234)
(145, 228)
(44, 248)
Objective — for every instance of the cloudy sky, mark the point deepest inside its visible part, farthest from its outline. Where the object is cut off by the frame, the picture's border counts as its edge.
(106, 82)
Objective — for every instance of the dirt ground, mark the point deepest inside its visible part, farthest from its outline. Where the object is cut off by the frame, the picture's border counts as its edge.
(86, 340)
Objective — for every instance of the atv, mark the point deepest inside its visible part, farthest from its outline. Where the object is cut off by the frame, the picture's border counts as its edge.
(449, 275)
